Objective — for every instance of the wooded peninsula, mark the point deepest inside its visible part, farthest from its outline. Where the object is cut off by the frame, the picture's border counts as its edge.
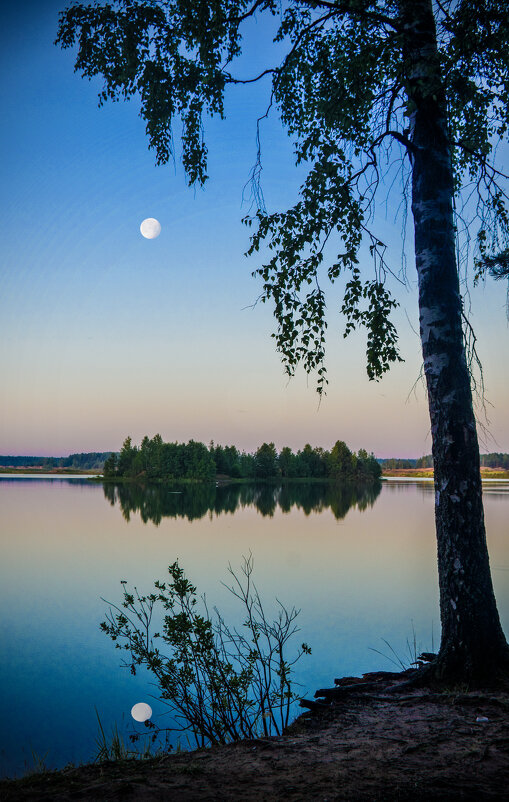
(155, 459)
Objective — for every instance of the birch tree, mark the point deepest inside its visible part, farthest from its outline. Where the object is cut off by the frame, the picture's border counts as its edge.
(362, 84)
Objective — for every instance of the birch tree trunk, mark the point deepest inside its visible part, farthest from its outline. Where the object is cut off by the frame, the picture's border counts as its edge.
(473, 647)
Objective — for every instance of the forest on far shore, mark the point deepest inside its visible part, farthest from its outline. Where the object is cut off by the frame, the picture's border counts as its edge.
(232, 462)
(155, 459)
(87, 461)
(494, 460)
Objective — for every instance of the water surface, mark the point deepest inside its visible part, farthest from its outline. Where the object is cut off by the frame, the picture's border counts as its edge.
(361, 565)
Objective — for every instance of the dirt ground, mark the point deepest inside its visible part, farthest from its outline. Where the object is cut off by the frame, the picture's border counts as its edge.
(369, 744)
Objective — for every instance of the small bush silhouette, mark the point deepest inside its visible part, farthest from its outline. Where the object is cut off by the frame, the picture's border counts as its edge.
(221, 683)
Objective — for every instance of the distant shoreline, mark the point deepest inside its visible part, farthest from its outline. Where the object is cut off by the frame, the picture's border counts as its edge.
(45, 470)
(427, 473)
(404, 473)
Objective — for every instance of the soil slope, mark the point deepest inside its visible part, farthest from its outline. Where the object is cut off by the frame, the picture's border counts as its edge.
(370, 744)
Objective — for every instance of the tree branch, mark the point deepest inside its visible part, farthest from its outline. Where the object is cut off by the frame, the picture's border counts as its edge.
(276, 70)
(401, 138)
(481, 158)
(346, 7)
(231, 80)
(248, 14)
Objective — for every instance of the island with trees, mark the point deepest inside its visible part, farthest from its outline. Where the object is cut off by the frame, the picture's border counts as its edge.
(156, 460)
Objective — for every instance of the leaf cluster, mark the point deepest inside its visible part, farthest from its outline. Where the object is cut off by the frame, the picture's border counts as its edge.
(171, 54)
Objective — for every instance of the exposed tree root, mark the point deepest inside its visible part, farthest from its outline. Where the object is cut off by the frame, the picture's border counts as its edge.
(432, 674)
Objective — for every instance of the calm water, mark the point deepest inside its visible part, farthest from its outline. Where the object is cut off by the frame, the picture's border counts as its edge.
(361, 566)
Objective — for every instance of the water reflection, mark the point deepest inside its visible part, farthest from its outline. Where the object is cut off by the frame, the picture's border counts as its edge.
(372, 575)
(155, 502)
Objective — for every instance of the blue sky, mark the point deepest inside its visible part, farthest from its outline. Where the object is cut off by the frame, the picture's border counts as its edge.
(105, 334)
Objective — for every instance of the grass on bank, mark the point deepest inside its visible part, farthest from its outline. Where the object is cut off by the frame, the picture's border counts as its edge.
(115, 748)
(427, 473)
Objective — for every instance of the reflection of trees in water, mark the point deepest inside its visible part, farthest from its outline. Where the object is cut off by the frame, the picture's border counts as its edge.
(338, 497)
(154, 502)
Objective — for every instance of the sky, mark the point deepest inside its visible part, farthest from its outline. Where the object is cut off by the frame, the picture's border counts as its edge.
(106, 334)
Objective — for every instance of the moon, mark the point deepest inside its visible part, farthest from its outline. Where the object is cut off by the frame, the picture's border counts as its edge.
(141, 711)
(150, 228)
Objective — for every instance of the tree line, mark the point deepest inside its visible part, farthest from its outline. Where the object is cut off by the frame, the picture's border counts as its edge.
(493, 460)
(155, 459)
(393, 463)
(87, 461)
(230, 461)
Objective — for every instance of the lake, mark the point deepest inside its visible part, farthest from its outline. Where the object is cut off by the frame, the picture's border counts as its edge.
(360, 564)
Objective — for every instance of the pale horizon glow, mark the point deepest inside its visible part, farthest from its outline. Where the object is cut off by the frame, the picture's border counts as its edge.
(104, 336)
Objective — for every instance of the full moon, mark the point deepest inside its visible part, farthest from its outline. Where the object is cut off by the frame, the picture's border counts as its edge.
(150, 228)
(141, 711)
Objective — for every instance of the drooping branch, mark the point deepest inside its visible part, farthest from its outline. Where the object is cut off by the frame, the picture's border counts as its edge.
(486, 167)
(305, 31)
(250, 13)
(498, 266)
(254, 180)
(344, 7)
(230, 79)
